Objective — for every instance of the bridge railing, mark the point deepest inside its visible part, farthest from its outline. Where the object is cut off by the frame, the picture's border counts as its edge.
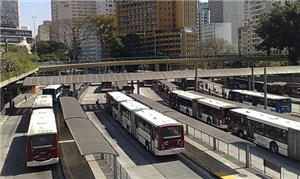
(246, 56)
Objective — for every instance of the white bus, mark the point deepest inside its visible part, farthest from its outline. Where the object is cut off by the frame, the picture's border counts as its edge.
(54, 90)
(113, 100)
(280, 135)
(43, 101)
(207, 109)
(126, 113)
(42, 139)
(184, 101)
(158, 133)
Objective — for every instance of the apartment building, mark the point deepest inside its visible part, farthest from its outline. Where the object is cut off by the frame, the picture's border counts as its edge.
(217, 30)
(163, 27)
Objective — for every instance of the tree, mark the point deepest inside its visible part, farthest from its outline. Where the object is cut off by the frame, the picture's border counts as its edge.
(106, 32)
(280, 30)
(215, 47)
(72, 32)
(51, 51)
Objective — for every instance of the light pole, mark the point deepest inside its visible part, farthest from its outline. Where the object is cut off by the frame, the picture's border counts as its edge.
(34, 17)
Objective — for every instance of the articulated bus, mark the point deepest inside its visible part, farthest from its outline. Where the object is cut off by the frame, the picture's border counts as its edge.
(43, 101)
(280, 135)
(113, 100)
(42, 139)
(212, 111)
(160, 134)
(281, 104)
(54, 90)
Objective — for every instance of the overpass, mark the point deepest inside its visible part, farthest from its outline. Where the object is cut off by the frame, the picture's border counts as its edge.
(63, 65)
(117, 77)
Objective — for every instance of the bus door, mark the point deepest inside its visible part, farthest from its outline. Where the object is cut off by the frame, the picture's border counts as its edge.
(199, 111)
(173, 100)
(194, 107)
(134, 124)
(294, 144)
(250, 129)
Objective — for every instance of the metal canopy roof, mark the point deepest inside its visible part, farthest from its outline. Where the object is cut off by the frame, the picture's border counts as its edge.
(169, 84)
(71, 108)
(115, 77)
(87, 137)
(219, 134)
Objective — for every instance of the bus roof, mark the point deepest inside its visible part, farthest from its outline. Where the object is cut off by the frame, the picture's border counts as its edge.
(269, 119)
(119, 96)
(52, 86)
(187, 95)
(42, 121)
(156, 118)
(43, 101)
(133, 105)
(260, 94)
(216, 103)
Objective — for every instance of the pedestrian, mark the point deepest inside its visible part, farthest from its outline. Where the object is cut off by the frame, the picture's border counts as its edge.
(25, 97)
(98, 104)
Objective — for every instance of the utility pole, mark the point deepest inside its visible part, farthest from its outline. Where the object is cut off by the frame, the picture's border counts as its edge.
(252, 74)
(196, 76)
(34, 17)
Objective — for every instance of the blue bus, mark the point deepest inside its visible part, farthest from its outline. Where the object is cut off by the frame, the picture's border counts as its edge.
(54, 90)
(280, 104)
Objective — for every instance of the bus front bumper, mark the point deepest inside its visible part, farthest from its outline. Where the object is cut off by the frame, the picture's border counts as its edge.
(35, 163)
(168, 151)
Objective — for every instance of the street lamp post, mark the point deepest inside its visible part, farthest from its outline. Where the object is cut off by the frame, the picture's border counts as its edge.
(34, 17)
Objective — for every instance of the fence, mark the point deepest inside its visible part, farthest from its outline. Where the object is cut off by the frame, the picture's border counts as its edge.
(238, 152)
(113, 163)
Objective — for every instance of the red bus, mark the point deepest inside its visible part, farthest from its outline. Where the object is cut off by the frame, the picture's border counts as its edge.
(42, 139)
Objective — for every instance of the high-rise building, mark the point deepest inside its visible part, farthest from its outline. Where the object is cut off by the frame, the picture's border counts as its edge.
(64, 10)
(10, 30)
(9, 11)
(217, 30)
(228, 11)
(107, 7)
(163, 27)
(204, 19)
(253, 12)
(44, 31)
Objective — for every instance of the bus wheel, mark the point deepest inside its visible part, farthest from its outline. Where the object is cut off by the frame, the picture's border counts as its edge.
(274, 147)
(187, 112)
(147, 146)
(241, 134)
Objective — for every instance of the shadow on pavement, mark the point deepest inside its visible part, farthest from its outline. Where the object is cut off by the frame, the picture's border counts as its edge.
(128, 144)
(24, 124)
(15, 162)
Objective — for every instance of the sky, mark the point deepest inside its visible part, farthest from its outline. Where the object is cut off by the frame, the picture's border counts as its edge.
(39, 8)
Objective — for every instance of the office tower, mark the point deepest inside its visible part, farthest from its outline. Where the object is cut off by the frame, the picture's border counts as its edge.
(44, 31)
(204, 18)
(10, 30)
(165, 28)
(228, 11)
(217, 30)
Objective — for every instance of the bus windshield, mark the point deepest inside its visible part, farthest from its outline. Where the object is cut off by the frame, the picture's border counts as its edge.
(48, 91)
(285, 103)
(172, 132)
(42, 141)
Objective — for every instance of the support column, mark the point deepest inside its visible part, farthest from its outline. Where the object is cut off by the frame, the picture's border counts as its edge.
(265, 88)
(156, 67)
(138, 87)
(249, 83)
(115, 167)
(74, 91)
(186, 129)
(247, 156)
(196, 77)
(132, 87)
(1, 99)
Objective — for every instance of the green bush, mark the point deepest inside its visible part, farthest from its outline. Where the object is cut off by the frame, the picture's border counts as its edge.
(17, 63)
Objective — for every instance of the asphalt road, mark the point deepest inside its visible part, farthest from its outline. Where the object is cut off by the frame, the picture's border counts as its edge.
(13, 151)
(168, 166)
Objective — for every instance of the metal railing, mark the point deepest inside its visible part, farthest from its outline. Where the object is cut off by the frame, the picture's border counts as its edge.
(120, 172)
(263, 164)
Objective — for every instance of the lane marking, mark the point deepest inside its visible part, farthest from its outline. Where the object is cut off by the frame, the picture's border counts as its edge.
(65, 141)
